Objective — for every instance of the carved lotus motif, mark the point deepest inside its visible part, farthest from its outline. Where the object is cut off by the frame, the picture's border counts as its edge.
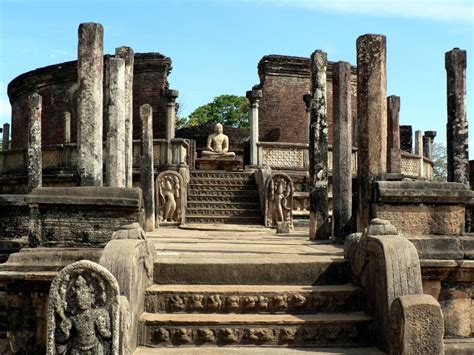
(176, 303)
(214, 302)
(195, 303)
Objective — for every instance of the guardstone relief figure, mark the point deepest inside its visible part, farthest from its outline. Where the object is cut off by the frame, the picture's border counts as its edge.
(83, 313)
(170, 197)
(217, 144)
(278, 200)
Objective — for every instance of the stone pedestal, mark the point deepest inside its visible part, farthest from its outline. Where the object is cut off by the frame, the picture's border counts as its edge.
(147, 167)
(6, 137)
(393, 135)
(171, 96)
(219, 163)
(90, 72)
(35, 159)
(254, 97)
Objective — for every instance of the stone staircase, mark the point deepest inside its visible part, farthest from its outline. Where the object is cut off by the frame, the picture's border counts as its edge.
(223, 197)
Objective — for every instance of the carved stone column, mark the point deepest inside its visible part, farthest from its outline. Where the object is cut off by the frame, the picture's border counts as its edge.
(171, 96)
(146, 167)
(6, 137)
(127, 54)
(393, 135)
(116, 110)
(372, 117)
(67, 127)
(428, 146)
(342, 151)
(35, 159)
(254, 97)
(318, 150)
(419, 150)
(90, 72)
(457, 126)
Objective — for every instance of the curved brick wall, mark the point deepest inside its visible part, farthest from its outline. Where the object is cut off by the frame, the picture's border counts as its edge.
(57, 84)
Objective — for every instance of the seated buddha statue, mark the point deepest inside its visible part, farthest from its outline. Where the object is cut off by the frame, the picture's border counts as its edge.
(217, 144)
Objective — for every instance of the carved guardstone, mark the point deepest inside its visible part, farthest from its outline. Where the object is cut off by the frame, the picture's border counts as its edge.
(279, 202)
(83, 311)
(170, 198)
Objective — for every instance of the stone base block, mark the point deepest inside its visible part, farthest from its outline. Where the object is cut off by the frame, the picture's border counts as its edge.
(284, 227)
(221, 163)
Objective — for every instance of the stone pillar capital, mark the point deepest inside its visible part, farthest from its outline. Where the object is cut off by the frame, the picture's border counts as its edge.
(171, 96)
(254, 96)
(455, 59)
(431, 135)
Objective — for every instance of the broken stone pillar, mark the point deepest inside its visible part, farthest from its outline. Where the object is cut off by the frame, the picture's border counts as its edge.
(90, 72)
(116, 111)
(372, 117)
(6, 137)
(307, 102)
(127, 54)
(67, 127)
(146, 167)
(254, 97)
(171, 96)
(318, 150)
(457, 127)
(35, 159)
(342, 151)
(393, 135)
(406, 139)
(419, 151)
(428, 147)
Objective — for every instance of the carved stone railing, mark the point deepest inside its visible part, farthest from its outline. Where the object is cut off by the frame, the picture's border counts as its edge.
(414, 166)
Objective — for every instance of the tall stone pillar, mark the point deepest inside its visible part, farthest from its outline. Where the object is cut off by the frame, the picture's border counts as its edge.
(372, 117)
(393, 135)
(35, 158)
(116, 115)
(90, 72)
(67, 127)
(307, 98)
(127, 54)
(318, 150)
(342, 151)
(428, 149)
(6, 137)
(419, 151)
(146, 167)
(254, 97)
(171, 96)
(457, 127)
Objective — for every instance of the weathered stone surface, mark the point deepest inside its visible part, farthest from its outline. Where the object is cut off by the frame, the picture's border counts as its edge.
(171, 96)
(14, 222)
(170, 198)
(6, 137)
(457, 125)
(83, 311)
(116, 115)
(416, 325)
(393, 135)
(372, 117)
(342, 151)
(90, 71)
(279, 200)
(35, 159)
(127, 54)
(147, 167)
(438, 246)
(318, 150)
(455, 302)
(67, 127)
(254, 97)
(406, 138)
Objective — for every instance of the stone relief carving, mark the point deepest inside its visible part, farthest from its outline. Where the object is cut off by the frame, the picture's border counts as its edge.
(83, 311)
(170, 197)
(278, 200)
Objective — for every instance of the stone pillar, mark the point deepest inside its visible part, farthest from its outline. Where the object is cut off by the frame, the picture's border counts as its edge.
(254, 97)
(116, 116)
(67, 127)
(171, 96)
(35, 158)
(307, 102)
(6, 137)
(419, 151)
(146, 167)
(430, 135)
(127, 54)
(457, 127)
(406, 139)
(393, 135)
(342, 151)
(90, 72)
(318, 150)
(372, 117)
(426, 147)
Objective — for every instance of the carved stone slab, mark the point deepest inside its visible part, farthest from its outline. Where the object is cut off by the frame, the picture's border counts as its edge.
(278, 200)
(170, 198)
(83, 311)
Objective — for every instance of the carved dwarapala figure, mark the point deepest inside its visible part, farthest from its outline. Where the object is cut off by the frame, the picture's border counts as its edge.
(217, 144)
(169, 193)
(83, 326)
(279, 197)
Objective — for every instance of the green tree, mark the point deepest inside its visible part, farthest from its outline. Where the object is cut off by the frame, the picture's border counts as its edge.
(230, 110)
(440, 161)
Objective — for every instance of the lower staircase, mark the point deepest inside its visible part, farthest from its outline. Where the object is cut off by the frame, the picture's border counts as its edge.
(223, 197)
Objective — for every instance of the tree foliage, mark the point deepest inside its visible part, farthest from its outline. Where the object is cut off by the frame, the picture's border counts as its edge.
(440, 161)
(229, 110)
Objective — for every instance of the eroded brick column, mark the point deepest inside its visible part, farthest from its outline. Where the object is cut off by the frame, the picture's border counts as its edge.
(146, 167)
(318, 150)
(342, 151)
(6, 137)
(393, 135)
(171, 96)
(372, 117)
(35, 158)
(254, 97)
(90, 72)
(457, 127)
(116, 115)
(127, 54)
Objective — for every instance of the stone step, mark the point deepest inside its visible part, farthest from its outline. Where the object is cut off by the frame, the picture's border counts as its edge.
(223, 199)
(222, 187)
(225, 211)
(251, 269)
(234, 350)
(223, 205)
(213, 174)
(224, 219)
(252, 299)
(325, 329)
(223, 180)
(250, 194)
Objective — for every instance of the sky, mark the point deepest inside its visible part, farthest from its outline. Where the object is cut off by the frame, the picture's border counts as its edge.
(215, 45)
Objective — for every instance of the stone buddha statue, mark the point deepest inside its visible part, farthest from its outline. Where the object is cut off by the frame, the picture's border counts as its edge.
(217, 144)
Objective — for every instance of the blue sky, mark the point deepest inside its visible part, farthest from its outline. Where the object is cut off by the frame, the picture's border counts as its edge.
(215, 45)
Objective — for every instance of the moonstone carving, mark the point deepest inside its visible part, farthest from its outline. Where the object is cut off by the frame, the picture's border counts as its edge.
(278, 200)
(83, 311)
(170, 197)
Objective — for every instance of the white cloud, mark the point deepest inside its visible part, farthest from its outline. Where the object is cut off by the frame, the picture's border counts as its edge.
(460, 10)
